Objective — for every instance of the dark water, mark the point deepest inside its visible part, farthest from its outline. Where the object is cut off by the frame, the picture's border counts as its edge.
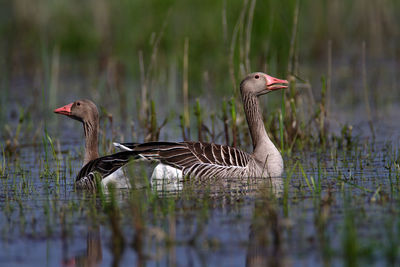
(344, 212)
(334, 206)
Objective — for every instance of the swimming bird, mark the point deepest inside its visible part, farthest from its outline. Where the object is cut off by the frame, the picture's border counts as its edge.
(110, 168)
(184, 159)
(209, 160)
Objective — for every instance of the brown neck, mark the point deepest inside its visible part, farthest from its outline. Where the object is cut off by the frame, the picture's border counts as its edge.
(91, 129)
(262, 145)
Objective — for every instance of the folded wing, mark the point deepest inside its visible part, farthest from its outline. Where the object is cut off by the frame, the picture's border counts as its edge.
(102, 167)
(193, 158)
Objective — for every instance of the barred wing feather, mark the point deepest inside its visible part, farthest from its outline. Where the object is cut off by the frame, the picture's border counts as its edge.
(103, 167)
(195, 158)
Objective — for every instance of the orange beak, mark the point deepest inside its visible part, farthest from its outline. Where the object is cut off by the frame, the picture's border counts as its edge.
(65, 110)
(275, 84)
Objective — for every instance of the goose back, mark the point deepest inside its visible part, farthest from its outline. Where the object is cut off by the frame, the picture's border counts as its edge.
(198, 159)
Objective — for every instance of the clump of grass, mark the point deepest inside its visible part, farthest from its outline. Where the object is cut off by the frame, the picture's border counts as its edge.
(55, 156)
(3, 170)
(199, 118)
(235, 140)
(153, 129)
(12, 140)
(147, 113)
(225, 122)
(46, 171)
(321, 114)
(184, 130)
(313, 185)
(281, 115)
(346, 139)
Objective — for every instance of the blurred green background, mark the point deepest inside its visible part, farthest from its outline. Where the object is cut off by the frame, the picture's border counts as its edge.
(55, 51)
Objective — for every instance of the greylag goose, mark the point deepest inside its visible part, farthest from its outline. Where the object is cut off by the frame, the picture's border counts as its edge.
(108, 168)
(208, 160)
(183, 159)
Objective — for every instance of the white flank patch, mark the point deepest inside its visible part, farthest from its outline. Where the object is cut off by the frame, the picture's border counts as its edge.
(117, 178)
(166, 178)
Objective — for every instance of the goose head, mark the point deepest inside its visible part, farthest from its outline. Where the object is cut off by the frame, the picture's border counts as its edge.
(259, 83)
(82, 110)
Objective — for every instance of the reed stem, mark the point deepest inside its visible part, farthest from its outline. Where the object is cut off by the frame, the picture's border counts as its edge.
(185, 86)
(365, 90)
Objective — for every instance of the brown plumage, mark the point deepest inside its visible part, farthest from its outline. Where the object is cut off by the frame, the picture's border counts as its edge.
(192, 159)
(109, 166)
(198, 159)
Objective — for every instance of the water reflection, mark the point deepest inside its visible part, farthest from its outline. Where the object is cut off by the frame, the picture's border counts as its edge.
(93, 255)
(182, 244)
(221, 187)
(265, 236)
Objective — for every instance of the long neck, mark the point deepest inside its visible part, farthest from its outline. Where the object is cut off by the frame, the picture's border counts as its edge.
(263, 148)
(91, 129)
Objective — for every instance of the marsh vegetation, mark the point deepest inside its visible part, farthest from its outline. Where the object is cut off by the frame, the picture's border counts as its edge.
(170, 70)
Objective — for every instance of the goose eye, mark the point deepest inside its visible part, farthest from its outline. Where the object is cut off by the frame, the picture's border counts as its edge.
(78, 104)
(257, 76)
